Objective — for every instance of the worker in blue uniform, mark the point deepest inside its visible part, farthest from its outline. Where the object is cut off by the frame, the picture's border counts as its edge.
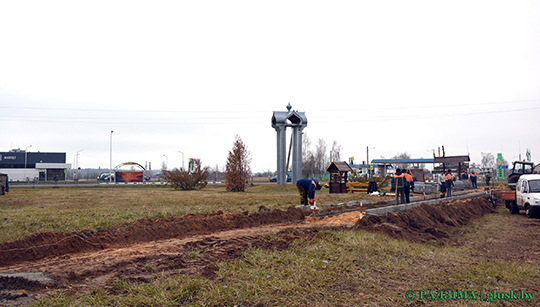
(307, 188)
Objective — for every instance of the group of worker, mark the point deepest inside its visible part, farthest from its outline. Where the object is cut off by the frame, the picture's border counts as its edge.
(446, 182)
(471, 177)
(402, 183)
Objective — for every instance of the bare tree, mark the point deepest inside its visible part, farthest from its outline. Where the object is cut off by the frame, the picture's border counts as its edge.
(306, 147)
(402, 156)
(308, 159)
(335, 152)
(488, 160)
(321, 159)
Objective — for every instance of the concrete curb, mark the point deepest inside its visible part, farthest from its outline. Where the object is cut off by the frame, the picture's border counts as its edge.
(431, 202)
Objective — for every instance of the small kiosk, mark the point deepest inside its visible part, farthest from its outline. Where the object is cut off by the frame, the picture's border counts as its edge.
(338, 176)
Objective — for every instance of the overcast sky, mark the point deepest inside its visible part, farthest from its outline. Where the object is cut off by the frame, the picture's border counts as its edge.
(188, 76)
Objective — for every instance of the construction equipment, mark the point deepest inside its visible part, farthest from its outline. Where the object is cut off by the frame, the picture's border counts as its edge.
(519, 168)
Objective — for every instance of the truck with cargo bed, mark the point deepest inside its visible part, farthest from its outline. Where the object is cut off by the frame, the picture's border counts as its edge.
(526, 196)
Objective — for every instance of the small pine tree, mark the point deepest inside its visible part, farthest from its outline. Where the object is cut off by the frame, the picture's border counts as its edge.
(238, 168)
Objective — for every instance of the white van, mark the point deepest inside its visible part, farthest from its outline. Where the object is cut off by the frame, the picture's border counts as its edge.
(528, 194)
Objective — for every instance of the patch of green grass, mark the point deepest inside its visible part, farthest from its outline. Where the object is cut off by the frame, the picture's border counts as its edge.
(196, 254)
(335, 268)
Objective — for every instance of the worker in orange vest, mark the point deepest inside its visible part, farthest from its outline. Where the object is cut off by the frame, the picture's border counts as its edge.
(473, 179)
(408, 185)
(442, 184)
(398, 183)
(449, 183)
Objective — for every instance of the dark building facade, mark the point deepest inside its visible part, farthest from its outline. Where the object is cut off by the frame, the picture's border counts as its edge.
(22, 166)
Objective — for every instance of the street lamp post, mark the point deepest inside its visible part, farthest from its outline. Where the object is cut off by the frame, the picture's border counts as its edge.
(367, 159)
(110, 165)
(25, 159)
(77, 163)
(182, 159)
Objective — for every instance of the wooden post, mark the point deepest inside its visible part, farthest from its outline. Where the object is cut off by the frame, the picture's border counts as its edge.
(396, 189)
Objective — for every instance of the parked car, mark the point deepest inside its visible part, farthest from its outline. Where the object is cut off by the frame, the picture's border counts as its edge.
(105, 177)
(289, 178)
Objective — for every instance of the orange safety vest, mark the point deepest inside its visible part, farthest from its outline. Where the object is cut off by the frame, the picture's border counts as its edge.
(448, 177)
(472, 175)
(408, 177)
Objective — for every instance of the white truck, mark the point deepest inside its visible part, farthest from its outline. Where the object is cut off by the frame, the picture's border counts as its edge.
(525, 197)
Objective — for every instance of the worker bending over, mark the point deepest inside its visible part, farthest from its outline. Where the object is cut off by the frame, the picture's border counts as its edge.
(307, 188)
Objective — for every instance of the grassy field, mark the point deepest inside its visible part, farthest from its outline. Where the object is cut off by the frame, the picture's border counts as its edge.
(27, 210)
(336, 268)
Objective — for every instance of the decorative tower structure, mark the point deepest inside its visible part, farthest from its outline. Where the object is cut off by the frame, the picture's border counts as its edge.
(297, 121)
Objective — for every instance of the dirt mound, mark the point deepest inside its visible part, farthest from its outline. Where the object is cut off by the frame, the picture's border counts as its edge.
(40, 245)
(425, 222)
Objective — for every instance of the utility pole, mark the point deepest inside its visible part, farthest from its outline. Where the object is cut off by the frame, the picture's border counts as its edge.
(25, 160)
(110, 165)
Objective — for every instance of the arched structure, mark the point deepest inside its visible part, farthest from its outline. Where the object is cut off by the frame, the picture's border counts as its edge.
(297, 121)
(129, 163)
(129, 176)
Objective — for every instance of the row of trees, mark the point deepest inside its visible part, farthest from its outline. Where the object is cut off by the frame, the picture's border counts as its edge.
(316, 160)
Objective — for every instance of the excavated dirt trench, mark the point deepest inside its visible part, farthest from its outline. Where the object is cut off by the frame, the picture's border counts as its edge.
(141, 249)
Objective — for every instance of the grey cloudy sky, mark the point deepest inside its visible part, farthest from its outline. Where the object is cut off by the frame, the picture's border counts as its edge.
(170, 76)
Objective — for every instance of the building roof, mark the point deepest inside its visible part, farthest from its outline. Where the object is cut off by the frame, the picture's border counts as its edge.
(451, 159)
(390, 161)
(339, 166)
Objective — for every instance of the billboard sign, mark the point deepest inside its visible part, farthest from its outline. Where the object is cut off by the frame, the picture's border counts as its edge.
(128, 176)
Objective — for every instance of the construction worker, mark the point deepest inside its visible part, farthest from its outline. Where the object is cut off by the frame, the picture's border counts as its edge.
(409, 185)
(442, 184)
(464, 175)
(307, 188)
(488, 178)
(449, 183)
(398, 183)
(473, 179)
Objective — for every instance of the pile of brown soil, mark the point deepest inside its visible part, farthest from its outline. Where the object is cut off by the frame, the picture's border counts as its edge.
(425, 222)
(48, 244)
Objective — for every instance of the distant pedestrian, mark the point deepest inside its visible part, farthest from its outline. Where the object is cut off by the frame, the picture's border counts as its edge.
(449, 183)
(442, 184)
(473, 179)
(398, 184)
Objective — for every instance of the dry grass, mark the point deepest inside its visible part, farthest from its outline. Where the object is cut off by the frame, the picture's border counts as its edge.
(27, 210)
(337, 268)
